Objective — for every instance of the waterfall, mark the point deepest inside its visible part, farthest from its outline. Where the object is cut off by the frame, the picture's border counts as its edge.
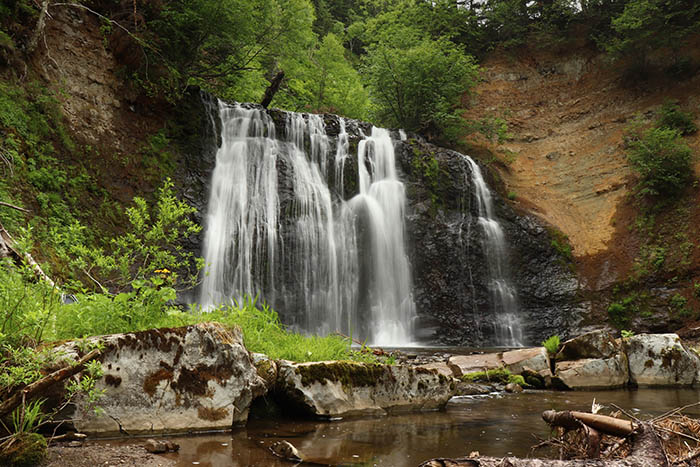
(276, 229)
(504, 297)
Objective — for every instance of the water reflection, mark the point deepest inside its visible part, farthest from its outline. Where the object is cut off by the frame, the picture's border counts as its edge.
(494, 425)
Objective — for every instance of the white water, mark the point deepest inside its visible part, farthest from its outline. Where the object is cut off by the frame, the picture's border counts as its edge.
(332, 265)
(504, 296)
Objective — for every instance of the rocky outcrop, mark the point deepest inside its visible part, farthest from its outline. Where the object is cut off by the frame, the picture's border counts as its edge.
(449, 262)
(443, 237)
(193, 378)
(661, 360)
(342, 388)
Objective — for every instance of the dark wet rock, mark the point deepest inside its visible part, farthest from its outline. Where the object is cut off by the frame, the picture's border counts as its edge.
(447, 257)
(286, 450)
(160, 446)
(473, 389)
(513, 388)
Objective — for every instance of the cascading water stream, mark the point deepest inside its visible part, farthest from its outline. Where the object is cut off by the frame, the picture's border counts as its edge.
(275, 228)
(504, 297)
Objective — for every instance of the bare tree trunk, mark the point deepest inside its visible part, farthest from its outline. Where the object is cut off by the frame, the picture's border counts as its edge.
(40, 24)
(272, 89)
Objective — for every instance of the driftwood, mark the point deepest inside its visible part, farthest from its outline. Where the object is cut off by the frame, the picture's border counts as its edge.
(38, 387)
(272, 89)
(572, 420)
(12, 206)
(646, 452)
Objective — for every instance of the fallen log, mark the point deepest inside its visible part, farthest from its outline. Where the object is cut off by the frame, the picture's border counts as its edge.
(571, 420)
(38, 387)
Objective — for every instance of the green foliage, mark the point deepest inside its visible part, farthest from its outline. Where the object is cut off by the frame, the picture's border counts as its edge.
(662, 161)
(26, 419)
(621, 311)
(493, 128)
(26, 307)
(672, 117)
(497, 375)
(21, 365)
(416, 82)
(428, 168)
(626, 334)
(647, 25)
(325, 81)
(560, 242)
(512, 195)
(552, 344)
(150, 253)
(678, 304)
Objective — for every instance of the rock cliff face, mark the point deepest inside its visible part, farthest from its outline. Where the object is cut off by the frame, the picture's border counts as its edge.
(444, 240)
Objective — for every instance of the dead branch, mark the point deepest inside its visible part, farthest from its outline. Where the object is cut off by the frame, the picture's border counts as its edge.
(12, 206)
(37, 387)
(39, 30)
(7, 248)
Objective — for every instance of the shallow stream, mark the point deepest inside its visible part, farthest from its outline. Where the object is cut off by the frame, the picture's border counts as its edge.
(496, 425)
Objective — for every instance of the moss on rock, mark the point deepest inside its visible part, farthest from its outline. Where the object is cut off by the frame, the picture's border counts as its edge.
(23, 450)
(349, 374)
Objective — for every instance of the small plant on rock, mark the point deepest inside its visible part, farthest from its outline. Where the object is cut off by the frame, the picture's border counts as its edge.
(552, 344)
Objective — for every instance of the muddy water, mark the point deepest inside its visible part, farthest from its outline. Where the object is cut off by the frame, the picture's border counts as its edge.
(497, 425)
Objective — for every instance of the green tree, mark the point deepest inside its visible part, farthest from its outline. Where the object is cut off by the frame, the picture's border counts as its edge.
(416, 82)
(325, 82)
(662, 160)
(647, 25)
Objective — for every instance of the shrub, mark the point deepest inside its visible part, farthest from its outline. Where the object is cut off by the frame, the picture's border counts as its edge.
(552, 344)
(672, 117)
(662, 161)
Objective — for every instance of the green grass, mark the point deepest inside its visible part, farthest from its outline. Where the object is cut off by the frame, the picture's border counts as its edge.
(32, 312)
(552, 344)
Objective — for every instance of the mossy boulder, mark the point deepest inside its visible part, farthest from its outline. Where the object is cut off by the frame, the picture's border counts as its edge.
(661, 360)
(344, 388)
(170, 380)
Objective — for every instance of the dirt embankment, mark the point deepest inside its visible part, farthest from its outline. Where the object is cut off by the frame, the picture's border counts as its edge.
(567, 113)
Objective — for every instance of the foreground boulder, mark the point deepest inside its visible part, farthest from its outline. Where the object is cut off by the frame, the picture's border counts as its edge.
(343, 388)
(595, 360)
(594, 344)
(192, 378)
(594, 373)
(661, 360)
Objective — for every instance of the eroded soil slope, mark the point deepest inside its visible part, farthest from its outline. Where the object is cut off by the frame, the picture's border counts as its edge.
(567, 113)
